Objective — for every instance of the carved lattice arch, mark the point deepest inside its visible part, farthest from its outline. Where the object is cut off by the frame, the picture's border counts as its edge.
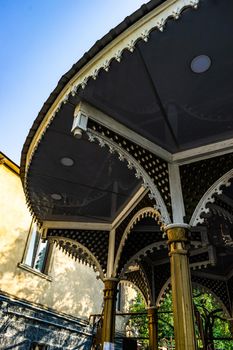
(167, 287)
(134, 286)
(143, 253)
(145, 212)
(208, 197)
(139, 171)
(78, 252)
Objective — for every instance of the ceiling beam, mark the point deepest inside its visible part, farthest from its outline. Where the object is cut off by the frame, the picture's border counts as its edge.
(70, 225)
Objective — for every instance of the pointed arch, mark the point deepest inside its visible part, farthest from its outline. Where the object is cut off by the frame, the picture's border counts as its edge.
(167, 286)
(143, 253)
(140, 173)
(143, 277)
(163, 292)
(79, 252)
(133, 285)
(148, 211)
(208, 197)
(209, 291)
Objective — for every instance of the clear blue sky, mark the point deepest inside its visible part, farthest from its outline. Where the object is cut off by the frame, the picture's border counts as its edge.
(39, 41)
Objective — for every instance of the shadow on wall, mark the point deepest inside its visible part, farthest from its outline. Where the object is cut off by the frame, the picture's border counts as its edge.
(73, 290)
(83, 292)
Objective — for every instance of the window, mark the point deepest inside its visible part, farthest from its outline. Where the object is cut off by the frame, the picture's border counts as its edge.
(37, 252)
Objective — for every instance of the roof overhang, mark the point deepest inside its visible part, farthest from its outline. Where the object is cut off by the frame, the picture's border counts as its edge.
(137, 83)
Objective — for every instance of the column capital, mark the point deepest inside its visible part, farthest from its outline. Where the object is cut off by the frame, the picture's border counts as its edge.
(177, 225)
(112, 279)
(177, 233)
(110, 288)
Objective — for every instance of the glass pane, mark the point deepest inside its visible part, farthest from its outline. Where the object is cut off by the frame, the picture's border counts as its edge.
(32, 248)
(41, 255)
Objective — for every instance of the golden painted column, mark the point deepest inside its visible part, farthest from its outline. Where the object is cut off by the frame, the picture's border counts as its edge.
(181, 287)
(153, 327)
(108, 328)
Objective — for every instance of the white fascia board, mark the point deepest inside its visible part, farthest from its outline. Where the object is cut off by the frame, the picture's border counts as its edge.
(111, 124)
(203, 152)
(74, 225)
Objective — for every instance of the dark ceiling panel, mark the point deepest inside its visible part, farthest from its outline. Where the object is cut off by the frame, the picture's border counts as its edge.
(154, 91)
(95, 188)
(199, 106)
(126, 94)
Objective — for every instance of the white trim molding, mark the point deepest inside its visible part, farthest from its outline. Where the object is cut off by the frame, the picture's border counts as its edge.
(208, 197)
(129, 206)
(75, 225)
(143, 253)
(178, 211)
(133, 285)
(111, 252)
(140, 173)
(148, 211)
(155, 19)
(203, 152)
(93, 261)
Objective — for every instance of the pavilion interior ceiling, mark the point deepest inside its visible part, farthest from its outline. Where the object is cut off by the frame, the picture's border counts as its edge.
(95, 188)
(154, 92)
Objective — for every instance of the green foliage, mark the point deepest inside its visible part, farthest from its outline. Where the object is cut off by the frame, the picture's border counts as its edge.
(165, 321)
(139, 323)
(212, 321)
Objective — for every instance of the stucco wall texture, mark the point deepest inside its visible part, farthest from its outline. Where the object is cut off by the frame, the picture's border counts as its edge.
(73, 290)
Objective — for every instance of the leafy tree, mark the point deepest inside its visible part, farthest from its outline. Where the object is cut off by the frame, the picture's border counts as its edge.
(139, 323)
(211, 322)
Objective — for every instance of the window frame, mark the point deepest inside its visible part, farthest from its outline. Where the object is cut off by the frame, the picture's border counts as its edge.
(34, 245)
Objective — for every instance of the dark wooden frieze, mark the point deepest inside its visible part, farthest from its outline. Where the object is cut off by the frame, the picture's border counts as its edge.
(196, 179)
(156, 167)
(95, 241)
(138, 279)
(217, 286)
(139, 239)
(145, 202)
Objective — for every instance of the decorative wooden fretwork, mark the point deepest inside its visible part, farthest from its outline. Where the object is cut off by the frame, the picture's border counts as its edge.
(145, 202)
(95, 241)
(154, 166)
(197, 178)
(218, 287)
(138, 240)
(139, 279)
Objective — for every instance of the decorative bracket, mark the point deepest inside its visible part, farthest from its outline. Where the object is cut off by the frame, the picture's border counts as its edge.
(136, 218)
(208, 197)
(78, 251)
(140, 173)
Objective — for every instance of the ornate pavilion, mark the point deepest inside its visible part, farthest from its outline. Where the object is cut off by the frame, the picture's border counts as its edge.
(129, 164)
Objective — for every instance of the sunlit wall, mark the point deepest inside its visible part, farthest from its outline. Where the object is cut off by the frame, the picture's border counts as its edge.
(73, 288)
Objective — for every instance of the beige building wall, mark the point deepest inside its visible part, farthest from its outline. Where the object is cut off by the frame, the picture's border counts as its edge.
(73, 288)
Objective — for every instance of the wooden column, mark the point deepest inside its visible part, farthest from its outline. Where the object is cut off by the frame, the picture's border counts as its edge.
(108, 328)
(181, 288)
(153, 328)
